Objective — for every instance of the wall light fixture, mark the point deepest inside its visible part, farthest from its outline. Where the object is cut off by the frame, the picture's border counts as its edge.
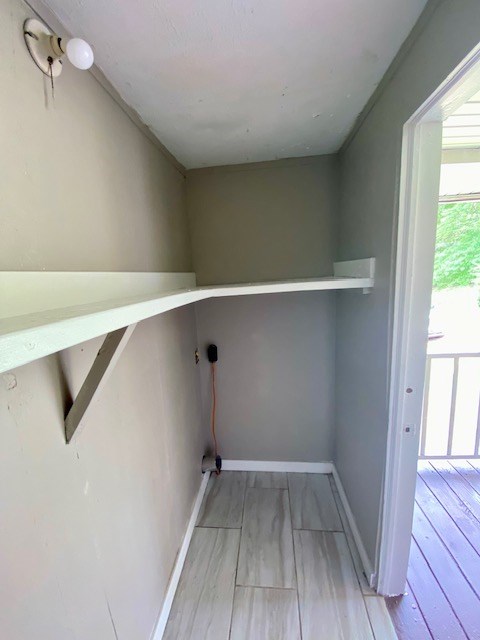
(47, 49)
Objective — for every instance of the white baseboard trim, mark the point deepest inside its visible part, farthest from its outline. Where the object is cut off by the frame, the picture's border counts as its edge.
(274, 465)
(180, 561)
(255, 465)
(367, 567)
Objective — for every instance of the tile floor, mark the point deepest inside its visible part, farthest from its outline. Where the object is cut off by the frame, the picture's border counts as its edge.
(272, 558)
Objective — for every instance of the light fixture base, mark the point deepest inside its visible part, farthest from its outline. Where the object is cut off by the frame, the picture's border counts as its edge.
(37, 38)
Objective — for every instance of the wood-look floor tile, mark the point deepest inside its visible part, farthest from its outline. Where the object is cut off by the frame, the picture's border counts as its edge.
(204, 599)
(267, 480)
(357, 562)
(222, 504)
(331, 603)
(266, 546)
(380, 619)
(312, 502)
(265, 614)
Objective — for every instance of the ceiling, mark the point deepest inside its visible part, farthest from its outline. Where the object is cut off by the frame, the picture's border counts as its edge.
(233, 81)
(462, 128)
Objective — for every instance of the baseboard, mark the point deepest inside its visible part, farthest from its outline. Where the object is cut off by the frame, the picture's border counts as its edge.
(180, 561)
(255, 465)
(274, 465)
(367, 567)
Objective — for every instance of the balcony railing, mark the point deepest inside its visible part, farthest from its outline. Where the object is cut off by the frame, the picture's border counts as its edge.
(451, 407)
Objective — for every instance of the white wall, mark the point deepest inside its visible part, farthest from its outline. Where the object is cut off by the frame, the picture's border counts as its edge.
(89, 532)
(370, 170)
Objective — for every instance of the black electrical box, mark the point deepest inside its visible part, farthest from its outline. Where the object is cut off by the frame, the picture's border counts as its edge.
(212, 353)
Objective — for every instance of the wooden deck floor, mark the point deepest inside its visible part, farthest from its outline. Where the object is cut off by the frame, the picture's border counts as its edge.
(443, 591)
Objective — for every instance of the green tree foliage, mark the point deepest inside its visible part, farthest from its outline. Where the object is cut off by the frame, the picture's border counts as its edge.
(457, 252)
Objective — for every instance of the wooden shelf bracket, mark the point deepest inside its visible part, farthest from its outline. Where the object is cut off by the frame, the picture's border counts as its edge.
(103, 365)
(45, 312)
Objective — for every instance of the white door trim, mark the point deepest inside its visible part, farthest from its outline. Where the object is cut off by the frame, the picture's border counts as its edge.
(418, 205)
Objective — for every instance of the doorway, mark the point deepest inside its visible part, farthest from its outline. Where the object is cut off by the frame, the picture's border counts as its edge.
(443, 579)
(417, 221)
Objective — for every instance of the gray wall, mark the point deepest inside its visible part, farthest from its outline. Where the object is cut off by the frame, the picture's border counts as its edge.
(90, 532)
(271, 220)
(81, 187)
(370, 169)
(275, 375)
(263, 221)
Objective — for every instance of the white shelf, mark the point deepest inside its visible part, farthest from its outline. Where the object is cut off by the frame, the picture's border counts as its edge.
(33, 331)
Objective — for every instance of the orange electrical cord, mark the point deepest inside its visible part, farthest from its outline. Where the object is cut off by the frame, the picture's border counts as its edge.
(214, 408)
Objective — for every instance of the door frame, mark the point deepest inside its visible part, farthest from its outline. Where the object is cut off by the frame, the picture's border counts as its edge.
(417, 216)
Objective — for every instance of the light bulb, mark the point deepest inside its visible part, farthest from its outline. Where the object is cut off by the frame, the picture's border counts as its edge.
(79, 53)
